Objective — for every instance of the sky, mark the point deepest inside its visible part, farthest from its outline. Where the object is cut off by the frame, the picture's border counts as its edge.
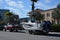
(22, 7)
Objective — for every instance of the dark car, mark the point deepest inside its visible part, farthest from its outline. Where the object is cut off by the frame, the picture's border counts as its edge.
(1, 27)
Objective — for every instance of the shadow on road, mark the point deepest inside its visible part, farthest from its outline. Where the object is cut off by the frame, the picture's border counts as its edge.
(54, 35)
(20, 31)
(50, 34)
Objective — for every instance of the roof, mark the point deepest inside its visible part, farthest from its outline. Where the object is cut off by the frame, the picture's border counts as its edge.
(4, 10)
(39, 10)
(50, 9)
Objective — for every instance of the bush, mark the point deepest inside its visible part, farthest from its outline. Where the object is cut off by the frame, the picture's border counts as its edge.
(56, 27)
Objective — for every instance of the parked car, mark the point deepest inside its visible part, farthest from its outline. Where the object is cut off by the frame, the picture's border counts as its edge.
(11, 27)
(1, 27)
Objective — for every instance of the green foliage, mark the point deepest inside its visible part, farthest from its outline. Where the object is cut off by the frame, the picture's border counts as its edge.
(11, 18)
(56, 27)
(8, 16)
(56, 14)
(8, 13)
(37, 16)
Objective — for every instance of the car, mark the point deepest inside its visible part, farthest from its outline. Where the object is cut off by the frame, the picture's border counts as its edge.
(10, 27)
(1, 27)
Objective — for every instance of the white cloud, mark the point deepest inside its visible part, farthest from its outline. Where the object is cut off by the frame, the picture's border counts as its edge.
(48, 1)
(14, 10)
(16, 7)
(39, 4)
(17, 11)
(1, 1)
(44, 6)
(12, 3)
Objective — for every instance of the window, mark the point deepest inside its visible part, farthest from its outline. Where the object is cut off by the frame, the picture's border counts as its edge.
(48, 14)
(43, 15)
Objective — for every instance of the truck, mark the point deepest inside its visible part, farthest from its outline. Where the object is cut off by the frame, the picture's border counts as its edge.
(36, 28)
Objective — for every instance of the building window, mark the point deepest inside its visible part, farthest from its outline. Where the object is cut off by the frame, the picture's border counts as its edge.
(48, 15)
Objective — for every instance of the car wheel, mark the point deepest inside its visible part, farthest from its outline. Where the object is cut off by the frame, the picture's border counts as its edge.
(11, 30)
(4, 30)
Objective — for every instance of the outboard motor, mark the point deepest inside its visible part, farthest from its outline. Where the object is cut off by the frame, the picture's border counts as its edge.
(46, 26)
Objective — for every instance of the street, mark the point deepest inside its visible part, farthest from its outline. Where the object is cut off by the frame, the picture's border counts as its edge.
(25, 36)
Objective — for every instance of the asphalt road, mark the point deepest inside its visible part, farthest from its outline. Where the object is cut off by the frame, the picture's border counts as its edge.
(25, 36)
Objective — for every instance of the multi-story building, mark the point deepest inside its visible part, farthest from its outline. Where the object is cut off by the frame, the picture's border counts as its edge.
(47, 15)
(2, 12)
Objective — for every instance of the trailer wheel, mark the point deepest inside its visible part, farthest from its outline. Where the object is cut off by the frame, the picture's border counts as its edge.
(46, 33)
(31, 32)
(4, 29)
(16, 30)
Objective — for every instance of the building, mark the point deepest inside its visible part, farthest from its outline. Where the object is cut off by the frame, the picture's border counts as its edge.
(2, 12)
(47, 14)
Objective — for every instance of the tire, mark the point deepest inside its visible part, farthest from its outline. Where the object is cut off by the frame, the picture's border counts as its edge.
(4, 30)
(16, 30)
(11, 30)
(31, 32)
(46, 33)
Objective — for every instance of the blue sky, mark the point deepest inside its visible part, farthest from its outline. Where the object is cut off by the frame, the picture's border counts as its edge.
(22, 7)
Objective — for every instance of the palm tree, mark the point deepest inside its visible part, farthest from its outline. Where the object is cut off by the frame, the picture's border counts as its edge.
(34, 0)
(56, 14)
(33, 6)
(38, 16)
(8, 16)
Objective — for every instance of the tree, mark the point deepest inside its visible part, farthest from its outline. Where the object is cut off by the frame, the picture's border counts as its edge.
(8, 14)
(56, 14)
(8, 17)
(37, 15)
(11, 18)
(34, 0)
